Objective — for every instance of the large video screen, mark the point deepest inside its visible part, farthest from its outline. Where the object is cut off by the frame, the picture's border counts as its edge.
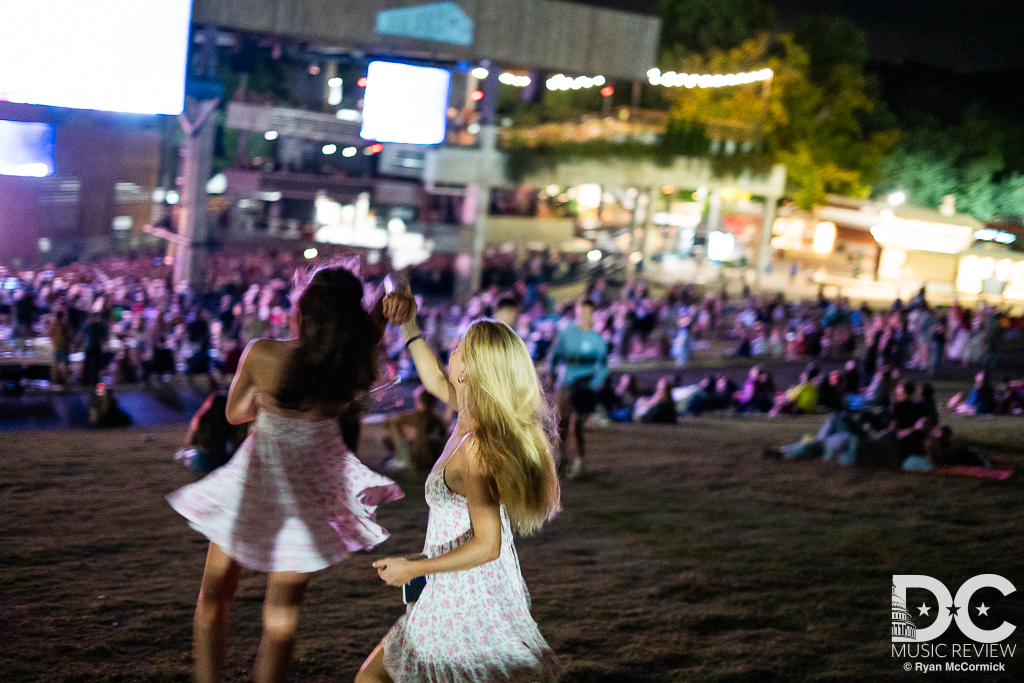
(405, 103)
(114, 55)
(26, 149)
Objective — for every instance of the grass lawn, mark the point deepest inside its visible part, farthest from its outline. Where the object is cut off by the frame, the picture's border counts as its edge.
(683, 556)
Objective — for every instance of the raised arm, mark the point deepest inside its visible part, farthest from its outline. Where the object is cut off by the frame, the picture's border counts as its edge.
(400, 309)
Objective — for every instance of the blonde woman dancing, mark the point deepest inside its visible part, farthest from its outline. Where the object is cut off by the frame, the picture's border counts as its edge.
(472, 621)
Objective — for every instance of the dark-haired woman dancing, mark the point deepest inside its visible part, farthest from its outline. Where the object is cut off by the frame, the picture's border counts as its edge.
(292, 500)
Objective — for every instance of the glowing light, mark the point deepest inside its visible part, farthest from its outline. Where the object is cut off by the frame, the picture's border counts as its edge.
(329, 149)
(636, 257)
(375, 148)
(552, 190)
(314, 70)
(310, 253)
(594, 255)
(218, 184)
(675, 80)
(563, 82)
(477, 95)
(721, 245)
(512, 79)
(897, 198)
(270, 135)
(349, 152)
(479, 73)
(607, 91)
(159, 195)
(824, 238)
(334, 93)
(348, 115)
(909, 234)
(172, 197)
(269, 196)
(406, 103)
(473, 128)
(361, 82)
(588, 196)
(992, 235)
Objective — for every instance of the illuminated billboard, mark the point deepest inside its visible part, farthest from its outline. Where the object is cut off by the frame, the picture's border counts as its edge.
(26, 149)
(405, 103)
(114, 55)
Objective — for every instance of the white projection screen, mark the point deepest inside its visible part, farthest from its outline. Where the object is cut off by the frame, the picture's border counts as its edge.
(113, 55)
(405, 103)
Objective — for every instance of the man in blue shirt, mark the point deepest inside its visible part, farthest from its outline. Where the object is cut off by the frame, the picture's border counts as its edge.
(581, 354)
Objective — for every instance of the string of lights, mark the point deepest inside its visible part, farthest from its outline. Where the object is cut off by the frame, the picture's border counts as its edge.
(654, 76)
(563, 82)
(675, 80)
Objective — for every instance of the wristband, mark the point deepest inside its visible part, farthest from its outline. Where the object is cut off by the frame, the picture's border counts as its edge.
(410, 341)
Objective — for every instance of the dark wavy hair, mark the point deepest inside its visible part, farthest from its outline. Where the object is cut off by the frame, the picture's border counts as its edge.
(336, 359)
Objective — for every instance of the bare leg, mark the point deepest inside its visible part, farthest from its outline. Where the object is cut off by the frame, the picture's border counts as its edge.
(372, 670)
(210, 629)
(285, 591)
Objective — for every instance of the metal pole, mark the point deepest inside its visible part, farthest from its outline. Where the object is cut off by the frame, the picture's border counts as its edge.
(196, 164)
(771, 204)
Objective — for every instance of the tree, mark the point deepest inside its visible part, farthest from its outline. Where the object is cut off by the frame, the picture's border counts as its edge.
(705, 25)
(817, 129)
(965, 161)
(831, 41)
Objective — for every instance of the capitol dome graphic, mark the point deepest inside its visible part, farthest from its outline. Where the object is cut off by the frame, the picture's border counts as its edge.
(903, 629)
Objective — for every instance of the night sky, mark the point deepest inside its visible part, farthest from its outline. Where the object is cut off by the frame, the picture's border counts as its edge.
(964, 35)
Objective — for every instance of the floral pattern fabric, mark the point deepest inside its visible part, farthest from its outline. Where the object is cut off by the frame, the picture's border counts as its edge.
(473, 625)
(292, 498)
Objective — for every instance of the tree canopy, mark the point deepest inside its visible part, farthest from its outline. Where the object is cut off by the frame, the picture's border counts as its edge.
(817, 128)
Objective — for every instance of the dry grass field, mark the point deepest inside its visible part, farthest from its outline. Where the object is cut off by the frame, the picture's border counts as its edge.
(683, 556)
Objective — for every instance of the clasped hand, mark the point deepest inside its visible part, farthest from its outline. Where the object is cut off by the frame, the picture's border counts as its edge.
(395, 571)
(399, 307)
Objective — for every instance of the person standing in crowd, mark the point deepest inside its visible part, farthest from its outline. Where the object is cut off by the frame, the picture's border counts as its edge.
(683, 340)
(60, 340)
(582, 355)
(293, 500)
(472, 623)
(95, 335)
(507, 312)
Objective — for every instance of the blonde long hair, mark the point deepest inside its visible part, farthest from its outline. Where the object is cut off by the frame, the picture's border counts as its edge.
(513, 423)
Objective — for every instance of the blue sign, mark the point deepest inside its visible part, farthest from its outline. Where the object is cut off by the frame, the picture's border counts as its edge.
(444, 22)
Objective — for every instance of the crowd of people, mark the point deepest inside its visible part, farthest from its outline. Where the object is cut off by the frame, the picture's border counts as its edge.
(121, 321)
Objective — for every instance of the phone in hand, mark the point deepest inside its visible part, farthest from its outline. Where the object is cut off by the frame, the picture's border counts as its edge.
(389, 284)
(411, 591)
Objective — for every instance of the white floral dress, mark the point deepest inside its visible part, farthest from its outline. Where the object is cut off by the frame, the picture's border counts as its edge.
(292, 498)
(470, 626)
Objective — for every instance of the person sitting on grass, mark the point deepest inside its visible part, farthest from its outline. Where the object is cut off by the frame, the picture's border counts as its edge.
(905, 411)
(925, 402)
(659, 408)
(212, 440)
(848, 440)
(800, 399)
(716, 393)
(981, 400)
(416, 439)
(104, 410)
(757, 393)
(626, 395)
(832, 392)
